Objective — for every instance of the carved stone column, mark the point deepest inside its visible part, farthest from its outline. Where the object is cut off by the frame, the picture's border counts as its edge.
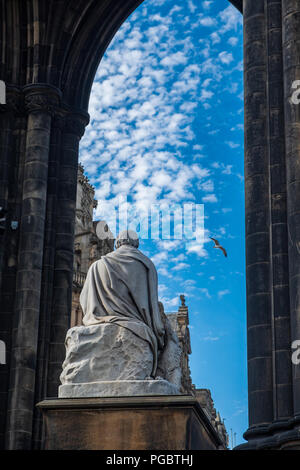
(271, 229)
(12, 129)
(40, 101)
(58, 123)
(291, 45)
(257, 183)
(64, 246)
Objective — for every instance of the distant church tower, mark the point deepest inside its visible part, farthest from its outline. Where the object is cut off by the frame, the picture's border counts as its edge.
(87, 246)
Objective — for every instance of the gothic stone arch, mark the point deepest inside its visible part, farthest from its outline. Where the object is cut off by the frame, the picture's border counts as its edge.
(48, 59)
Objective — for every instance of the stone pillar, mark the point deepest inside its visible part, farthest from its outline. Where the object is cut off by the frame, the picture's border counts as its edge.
(291, 46)
(280, 307)
(257, 182)
(15, 123)
(48, 271)
(5, 149)
(64, 247)
(39, 102)
(271, 176)
(6, 281)
(268, 314)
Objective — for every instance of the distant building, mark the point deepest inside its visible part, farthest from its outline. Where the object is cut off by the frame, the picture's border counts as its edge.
(204, 398)
(180, 321)
(88, 247)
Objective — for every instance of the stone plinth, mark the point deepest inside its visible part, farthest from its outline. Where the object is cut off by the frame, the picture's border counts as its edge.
(132, 423)
(118, 388)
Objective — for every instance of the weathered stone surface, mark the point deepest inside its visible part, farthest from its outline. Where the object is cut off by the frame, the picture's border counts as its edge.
(169, 362)
(105, 352)
(291, 61)
(118, 388)
(110, 360)
(132, 423)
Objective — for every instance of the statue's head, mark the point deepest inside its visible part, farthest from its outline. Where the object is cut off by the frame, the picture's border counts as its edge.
(127, 237)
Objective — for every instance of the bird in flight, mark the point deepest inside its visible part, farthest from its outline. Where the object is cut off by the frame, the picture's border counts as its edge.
(217, 245)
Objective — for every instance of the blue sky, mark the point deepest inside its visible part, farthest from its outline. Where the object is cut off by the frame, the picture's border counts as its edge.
(167, 127)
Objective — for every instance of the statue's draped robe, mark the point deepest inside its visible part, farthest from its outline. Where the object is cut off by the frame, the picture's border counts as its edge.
(121, 288)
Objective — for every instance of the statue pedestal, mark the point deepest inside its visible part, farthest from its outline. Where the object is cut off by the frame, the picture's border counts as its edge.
(128, 423)
(118, 388)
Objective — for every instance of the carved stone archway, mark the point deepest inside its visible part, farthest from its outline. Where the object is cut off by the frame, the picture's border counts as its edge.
(49, 55)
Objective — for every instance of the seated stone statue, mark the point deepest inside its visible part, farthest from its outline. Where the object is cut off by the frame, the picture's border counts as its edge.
(117, 349)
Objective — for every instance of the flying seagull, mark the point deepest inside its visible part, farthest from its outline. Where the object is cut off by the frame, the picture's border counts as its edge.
(217, 245)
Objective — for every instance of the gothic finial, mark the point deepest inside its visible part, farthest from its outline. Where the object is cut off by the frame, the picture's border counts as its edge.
(182, 298)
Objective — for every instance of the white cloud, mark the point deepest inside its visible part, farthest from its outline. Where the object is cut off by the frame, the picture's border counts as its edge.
(225, 57)
(192, 6)
(227, 170)
(206, 82)
(206, 95)
(232, 145)
(221, 293)
(198, 147)
(208, 186)
(175, 9)
(233, 41)
(170, 303)
(211, 338)
(231, 19)
(169, 245)
(196, 248)
(210, 198)
(207, 21)
(162, 288)
(178, 58)
(204, 291)
(214, 132)
(206, 4)
(215, 38)
(180, 257)
(232, 88)
(189, 284)
(225, 210)
(180, 266)
(158, 258)
(164, 272)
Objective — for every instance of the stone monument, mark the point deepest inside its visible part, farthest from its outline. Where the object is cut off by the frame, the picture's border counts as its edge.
(126, 346)
(122, 375)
